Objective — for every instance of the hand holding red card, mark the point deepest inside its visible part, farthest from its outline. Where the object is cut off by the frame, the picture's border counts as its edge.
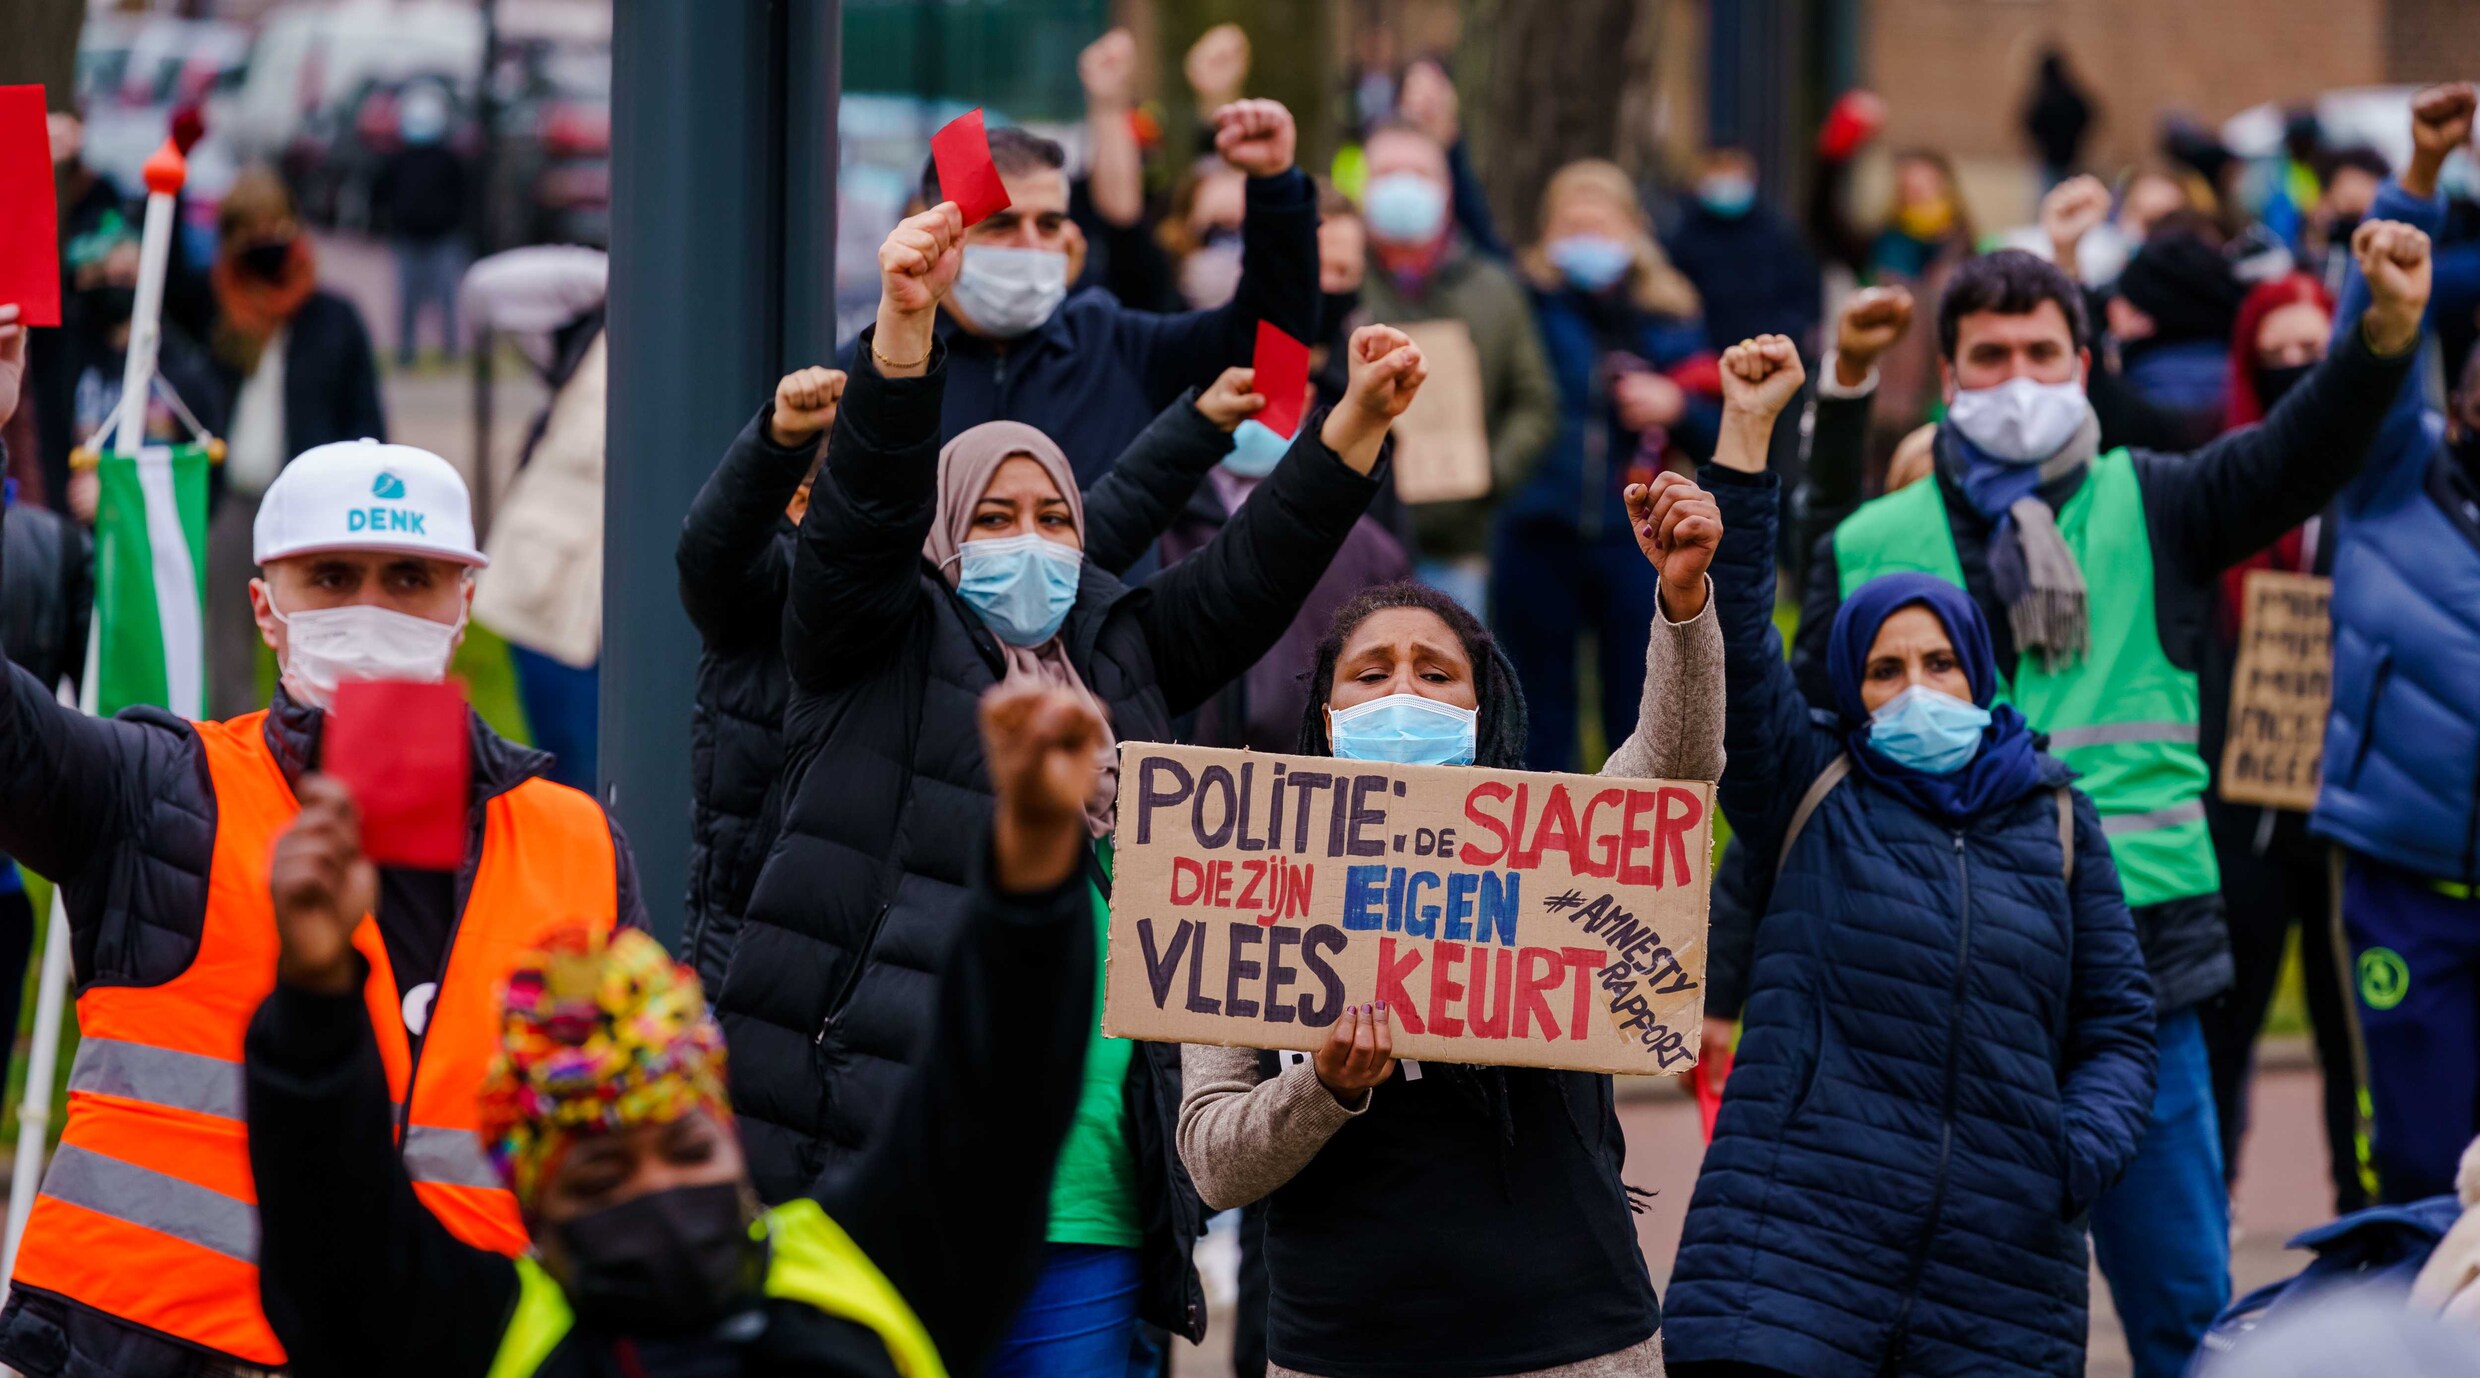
(967, 176)
(403, 750)
(1282, 367)
(29, 216)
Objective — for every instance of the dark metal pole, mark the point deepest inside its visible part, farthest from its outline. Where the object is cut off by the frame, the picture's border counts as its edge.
(721, 262)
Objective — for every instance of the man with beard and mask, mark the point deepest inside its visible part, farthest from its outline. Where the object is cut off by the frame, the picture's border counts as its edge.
(1082, 368)
(102, 266)
(294, 371)
(605, 1112)
(2097, 572)
(2401, 784)
(140, 1256)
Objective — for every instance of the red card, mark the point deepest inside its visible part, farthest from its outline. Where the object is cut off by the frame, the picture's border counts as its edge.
(403, 751)
(1282, 366)
(29, 219)
(967, 176)
(1706, 1078)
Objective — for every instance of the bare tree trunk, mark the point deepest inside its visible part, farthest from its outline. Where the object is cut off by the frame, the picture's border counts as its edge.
(42, 48)
(1565, 80)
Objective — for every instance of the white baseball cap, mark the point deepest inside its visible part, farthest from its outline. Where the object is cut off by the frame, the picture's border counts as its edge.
(362, 495)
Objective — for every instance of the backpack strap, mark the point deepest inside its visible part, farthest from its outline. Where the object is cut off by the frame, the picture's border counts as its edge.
(1818, 789)
(2066, 833)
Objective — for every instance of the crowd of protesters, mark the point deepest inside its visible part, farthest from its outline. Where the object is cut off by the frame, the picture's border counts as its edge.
(1989, 949)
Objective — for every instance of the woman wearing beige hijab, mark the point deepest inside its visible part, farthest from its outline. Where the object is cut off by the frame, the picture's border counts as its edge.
(922, 576)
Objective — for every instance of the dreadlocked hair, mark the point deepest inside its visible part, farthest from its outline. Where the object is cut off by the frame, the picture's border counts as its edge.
(1498, 738)
(1498, 744)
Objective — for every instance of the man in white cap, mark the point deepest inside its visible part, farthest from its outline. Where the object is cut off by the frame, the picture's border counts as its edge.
(141, 1258)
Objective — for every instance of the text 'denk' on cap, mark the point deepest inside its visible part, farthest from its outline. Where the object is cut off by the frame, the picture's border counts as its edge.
(362, 495)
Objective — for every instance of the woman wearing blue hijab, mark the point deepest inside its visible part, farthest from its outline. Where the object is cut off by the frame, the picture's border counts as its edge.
(1947, 1051)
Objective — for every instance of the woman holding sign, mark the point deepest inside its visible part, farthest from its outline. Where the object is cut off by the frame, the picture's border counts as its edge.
(922, 576)
(1427, 1218)
(1948, 1047)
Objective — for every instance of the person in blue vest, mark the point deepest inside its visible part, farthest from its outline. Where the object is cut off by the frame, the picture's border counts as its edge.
(605, 1112)
(2096, 572)
(2401, 781)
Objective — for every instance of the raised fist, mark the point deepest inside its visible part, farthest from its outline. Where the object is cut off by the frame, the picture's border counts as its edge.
(322, 886)
(1256, 136)
(1679, 527)
(2073, 209)
(1043, 748)
(1232, 399)
(805, 403)
(2394, 258)
(1428, 102)
(1761, 376)
(1386, 370)
(1871, 321)
(920, 259)
(1108, 68)
(2441, 119)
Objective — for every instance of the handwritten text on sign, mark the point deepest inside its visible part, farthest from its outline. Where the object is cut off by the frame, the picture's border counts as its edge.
(1503, 916)
(2280, 691)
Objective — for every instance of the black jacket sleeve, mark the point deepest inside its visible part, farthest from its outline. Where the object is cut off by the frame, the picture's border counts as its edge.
(1215, 613)
(952, 1199)
(358, 1278)
(1278, 284)
(1129, 508)
(856, 566)
(731, 579)
(2215, 507)
(1821, 597)
(1831, 482)
(1472, 206)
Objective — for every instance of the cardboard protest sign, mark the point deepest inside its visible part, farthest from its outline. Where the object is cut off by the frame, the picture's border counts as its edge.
(1281, 365)
(1442, 441)
(967, 176)
(2280, 691)
(404, 751)
(1505, 916)
(29, 214)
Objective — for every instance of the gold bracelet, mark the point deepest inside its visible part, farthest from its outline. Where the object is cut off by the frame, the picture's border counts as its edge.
(885, 363)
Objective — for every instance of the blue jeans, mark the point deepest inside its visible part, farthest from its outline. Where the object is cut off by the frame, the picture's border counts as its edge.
(2162, 1235)
(563, 705)
(427, 274)
(1567, 587)
(1079, 1322)
(2415, 977)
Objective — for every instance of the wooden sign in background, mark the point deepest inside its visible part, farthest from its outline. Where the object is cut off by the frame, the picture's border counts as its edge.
(1504, 916)
(2280, 691)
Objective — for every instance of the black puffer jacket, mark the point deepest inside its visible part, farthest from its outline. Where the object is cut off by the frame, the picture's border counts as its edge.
(831, 989)
(46, 591)
(735, 559)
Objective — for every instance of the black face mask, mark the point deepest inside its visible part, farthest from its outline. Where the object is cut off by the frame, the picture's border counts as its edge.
(105, 308)
(1334, 308)
(2275, 383)
(266, 261)
(664, 1265)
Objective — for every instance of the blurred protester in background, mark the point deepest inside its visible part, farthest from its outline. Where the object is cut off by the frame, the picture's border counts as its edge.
(2075, 213)
(1927, 232)
(84, 200)
(1085, 369)
(2349, 189)
(1428, 102)
(1956, 903)
(1108, 204)
(102, 266)
(422, 190)
(2171, 317)
(2400, 789)
(294, 371)
(2095, 572)
(2057, 118)
(543, 591)
(1614, 318)
(1439, 1218)
(604, 1112)
(1750, 268)
(1202, 232)
(2275, 877)
(1421, 269)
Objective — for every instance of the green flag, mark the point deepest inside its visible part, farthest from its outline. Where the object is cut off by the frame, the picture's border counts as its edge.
(149, 641)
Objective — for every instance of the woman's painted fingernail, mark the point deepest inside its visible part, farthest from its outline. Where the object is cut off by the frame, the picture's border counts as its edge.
(1382, 1007)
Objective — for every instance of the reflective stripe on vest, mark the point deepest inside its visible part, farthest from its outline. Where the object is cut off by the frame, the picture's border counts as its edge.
(2125, 716)
(810, 1259)
(148, 1212)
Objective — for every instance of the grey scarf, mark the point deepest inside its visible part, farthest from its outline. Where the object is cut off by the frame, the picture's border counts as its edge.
(2035, 573)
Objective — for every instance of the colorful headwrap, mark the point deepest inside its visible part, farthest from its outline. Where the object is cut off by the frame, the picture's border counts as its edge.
(596, 1036)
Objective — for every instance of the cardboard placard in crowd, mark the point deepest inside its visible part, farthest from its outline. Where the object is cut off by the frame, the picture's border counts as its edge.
(1442, 441)
(1504, 916)
(2280, 691)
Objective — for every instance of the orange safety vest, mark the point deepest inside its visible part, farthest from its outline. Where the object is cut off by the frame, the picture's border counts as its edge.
(147, 1212)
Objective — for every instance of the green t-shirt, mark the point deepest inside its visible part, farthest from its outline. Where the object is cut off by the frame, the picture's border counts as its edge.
(1094, 1191)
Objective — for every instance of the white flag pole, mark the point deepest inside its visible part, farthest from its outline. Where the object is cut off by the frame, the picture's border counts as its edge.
(165, 172)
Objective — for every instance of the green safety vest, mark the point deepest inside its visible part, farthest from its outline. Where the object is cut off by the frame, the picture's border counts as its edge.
(2124, 716)
(809, 1259)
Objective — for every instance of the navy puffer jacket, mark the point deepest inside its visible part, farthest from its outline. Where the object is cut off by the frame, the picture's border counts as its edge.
(1947, 1055)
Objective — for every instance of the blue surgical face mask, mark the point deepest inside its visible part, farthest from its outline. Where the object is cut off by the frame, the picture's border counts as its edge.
(1591, 262)
(1405, 208)
(1022, 586)
(1727, 194)
(1406, 729)
(1927, 730)
(1255, 449)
